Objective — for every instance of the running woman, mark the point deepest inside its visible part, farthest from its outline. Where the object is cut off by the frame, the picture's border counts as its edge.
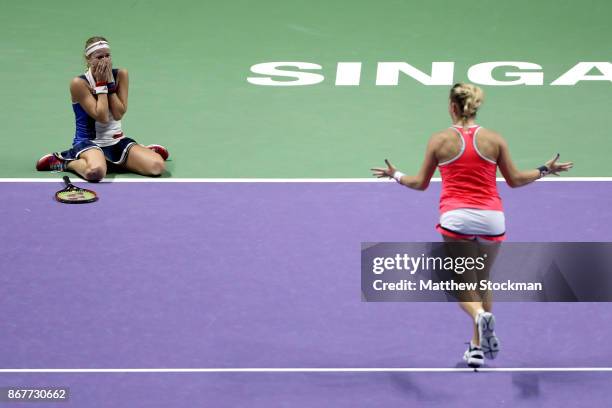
(99, 101)
(470, 207)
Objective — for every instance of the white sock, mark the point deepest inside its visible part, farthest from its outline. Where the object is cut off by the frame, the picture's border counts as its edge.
(478, 312)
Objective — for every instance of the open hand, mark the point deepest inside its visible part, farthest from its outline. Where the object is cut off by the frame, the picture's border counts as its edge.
(101, 69)
(109, 71)
(555, 168)
(382, 172)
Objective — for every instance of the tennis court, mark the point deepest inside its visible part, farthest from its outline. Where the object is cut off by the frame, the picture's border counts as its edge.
(233, 279)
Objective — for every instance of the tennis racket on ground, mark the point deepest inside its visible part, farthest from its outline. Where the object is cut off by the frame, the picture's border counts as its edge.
(72, 194)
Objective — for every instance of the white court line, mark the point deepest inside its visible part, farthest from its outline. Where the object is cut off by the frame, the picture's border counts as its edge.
(301, 370)
(264, 180)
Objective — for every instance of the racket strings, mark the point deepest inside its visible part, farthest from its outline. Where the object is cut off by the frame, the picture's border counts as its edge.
(75, 194)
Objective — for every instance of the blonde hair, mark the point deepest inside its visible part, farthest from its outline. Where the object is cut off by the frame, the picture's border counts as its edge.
(90, 41)
(468, 99)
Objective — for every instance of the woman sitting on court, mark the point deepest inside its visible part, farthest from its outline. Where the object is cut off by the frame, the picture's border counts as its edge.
(470, 207)
(99, 101)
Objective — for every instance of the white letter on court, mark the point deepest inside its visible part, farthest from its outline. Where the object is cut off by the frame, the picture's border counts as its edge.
(580, 71)
(441, 73)
(348, 73)
(270, 68)
(482, 73)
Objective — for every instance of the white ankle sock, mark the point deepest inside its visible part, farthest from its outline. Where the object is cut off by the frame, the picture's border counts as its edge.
(478, 312)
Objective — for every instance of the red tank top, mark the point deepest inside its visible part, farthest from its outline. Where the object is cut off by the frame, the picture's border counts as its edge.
(468, 180)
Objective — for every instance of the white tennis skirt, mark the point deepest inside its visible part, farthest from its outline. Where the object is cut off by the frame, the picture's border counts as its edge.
(472, 221)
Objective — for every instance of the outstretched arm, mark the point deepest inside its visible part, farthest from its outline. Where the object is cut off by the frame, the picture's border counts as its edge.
(423, 177)
(517, 178)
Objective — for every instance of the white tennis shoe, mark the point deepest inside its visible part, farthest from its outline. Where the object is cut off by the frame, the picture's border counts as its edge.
(473, 356)
(486, 333)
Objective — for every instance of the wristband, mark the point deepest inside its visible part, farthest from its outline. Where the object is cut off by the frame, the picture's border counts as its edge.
(544, 170)
(112, 87)
(101, 90)
(398, 176)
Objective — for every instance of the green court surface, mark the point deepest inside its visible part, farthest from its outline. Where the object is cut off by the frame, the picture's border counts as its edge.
(189, 62)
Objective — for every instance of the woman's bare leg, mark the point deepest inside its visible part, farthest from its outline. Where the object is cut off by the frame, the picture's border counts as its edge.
(144, 161)
(91, 165)
(470, 301)
(488, 250)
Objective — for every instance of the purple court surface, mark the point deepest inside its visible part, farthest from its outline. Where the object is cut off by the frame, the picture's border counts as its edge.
(239, 275)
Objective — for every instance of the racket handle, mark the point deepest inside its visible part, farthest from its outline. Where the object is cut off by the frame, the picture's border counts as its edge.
(67, 181)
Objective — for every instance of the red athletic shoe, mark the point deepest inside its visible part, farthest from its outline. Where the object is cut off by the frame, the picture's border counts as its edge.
(50, 162)
(159, 149)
